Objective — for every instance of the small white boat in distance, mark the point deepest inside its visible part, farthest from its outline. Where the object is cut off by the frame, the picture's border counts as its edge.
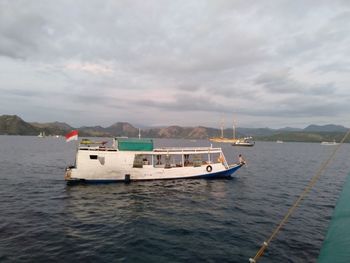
(279, 141)
(136, 159)
(41, 135)
(329, 143)
(247, 141)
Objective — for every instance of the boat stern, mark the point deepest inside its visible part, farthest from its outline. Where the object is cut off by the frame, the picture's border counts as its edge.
(68, 173)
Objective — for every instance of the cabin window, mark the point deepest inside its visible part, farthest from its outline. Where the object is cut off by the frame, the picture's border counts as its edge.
(93, 157)
(138, 161)
(158, 159)
(167, 162)
(217, 158)
(197, 160)
(145, 160)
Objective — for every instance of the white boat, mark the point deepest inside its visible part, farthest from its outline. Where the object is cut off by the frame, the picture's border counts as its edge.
(244, 142)
(41, 135)
(136, 159)
(329, 143)
(279, 141)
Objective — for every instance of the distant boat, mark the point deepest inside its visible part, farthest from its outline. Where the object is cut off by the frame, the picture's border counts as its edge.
(244, 142)
(222, 139)
(329, 143)
(279, 141)
(234, 141)
(41, 135)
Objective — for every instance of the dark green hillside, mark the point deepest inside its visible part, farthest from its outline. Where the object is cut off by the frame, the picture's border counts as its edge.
(52, 128)
(325, 128)
(304, 137)
(122, 129)
(14, 125)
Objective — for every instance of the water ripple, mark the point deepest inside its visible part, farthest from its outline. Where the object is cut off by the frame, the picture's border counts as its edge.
(44, 220)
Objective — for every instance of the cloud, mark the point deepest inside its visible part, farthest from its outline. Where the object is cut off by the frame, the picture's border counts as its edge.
(336, 67)
(281, 82)
(94, 68)
(19, 33)
(20, 93)
(202, 58)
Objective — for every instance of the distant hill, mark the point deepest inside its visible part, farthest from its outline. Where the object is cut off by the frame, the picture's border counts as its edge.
(14, 125)
(325, 128)
(93, 131)
(289, 129)
(117, 129)
(57, 125)
(254, 132)
(120, 128)
(199, 132)
(52, 128)
(305, 137)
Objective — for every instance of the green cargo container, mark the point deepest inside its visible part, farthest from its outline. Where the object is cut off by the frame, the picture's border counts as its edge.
(126, 144)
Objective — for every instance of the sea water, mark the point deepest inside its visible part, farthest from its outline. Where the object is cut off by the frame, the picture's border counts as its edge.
(44, 220)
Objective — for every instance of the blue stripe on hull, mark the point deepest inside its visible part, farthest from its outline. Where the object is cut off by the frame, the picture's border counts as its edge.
(223, 174)
(226, 173)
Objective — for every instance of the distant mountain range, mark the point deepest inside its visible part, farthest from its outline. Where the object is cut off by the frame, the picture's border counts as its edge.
(14, 125)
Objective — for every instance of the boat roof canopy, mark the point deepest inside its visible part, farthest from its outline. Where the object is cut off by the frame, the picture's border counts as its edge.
(134, 144)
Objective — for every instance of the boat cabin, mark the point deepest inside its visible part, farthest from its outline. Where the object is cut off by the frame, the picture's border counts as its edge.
(142, 154)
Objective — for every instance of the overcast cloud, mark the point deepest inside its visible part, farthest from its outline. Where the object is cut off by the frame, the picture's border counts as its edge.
(260, 63)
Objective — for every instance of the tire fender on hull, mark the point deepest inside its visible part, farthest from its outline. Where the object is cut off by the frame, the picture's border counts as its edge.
(209, 168)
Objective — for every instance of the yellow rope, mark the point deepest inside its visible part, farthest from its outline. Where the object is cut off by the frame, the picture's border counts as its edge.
(296, 203)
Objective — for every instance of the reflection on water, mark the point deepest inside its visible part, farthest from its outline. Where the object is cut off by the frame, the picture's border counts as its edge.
(43, 219)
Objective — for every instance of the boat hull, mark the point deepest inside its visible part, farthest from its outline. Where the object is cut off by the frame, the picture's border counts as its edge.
(227, 173)
(243, 144)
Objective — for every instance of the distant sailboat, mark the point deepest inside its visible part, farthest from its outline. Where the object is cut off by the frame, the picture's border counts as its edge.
(41, 135)
(247, 141)
(222, 138)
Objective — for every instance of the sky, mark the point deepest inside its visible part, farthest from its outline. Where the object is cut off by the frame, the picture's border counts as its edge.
(190, 63)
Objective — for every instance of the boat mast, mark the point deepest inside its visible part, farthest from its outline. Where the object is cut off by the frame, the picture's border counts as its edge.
(222, 128)
(234, 130)
(139, 133)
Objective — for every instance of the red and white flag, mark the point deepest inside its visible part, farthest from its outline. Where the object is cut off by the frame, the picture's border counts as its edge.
(73, 135)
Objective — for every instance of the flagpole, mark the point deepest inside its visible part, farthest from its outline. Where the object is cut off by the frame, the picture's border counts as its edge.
(77, 149)
(77, 143)
(73, 135)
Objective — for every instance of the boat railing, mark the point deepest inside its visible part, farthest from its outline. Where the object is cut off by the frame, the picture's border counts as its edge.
(187, 149)
(164, 150)
(96, 148)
